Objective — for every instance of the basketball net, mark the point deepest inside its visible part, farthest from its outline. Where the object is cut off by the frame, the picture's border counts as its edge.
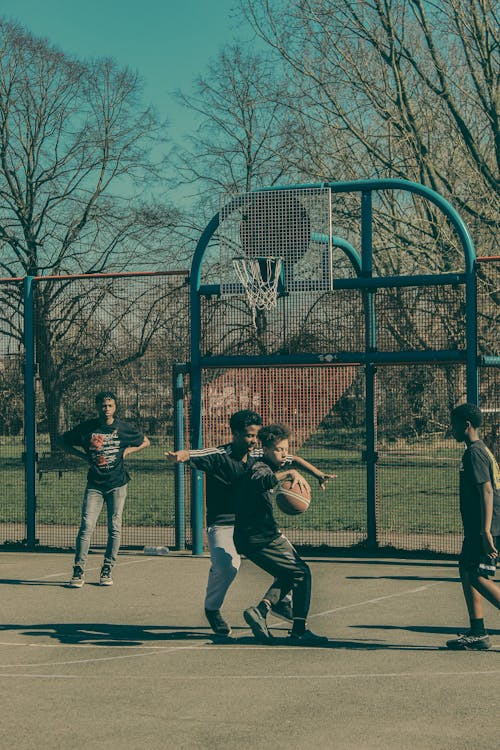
(260, 279)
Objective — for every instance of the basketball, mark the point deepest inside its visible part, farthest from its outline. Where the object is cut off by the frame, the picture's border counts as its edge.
(291, 498)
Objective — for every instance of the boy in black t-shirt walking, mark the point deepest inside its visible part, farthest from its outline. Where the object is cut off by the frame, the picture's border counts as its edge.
(480, 511)
(105, 441)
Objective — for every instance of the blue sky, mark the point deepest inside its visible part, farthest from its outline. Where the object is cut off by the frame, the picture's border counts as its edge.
(168, 41)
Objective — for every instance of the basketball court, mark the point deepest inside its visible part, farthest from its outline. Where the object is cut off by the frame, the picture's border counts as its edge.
(135, 665)
(293, 311)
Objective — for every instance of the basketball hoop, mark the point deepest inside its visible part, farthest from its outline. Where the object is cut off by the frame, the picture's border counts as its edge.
(260, 278)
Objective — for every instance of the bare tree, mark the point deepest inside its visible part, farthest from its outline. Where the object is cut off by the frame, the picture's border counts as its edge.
(75, 171)
(406, 89)
(400, 88)
(240, 140)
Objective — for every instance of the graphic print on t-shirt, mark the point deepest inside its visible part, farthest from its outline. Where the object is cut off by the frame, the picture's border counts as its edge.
(104, 448)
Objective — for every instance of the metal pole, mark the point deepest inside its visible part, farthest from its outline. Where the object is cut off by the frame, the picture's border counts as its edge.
(472, 368)
(370, 346)
(195, 382)
(30, 455)
(179, 484)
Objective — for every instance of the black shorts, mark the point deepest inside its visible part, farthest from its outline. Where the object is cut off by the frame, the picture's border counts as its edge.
(473, 552)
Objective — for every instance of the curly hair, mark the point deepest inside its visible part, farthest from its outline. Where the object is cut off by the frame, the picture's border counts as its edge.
(102, 396)
(273, 433)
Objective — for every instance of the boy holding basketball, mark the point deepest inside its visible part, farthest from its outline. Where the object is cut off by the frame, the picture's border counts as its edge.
(480, 511)
(224, 466)
(257, 535)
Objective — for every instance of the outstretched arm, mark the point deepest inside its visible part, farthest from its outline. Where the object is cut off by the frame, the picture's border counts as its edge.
(321, 476)
(177, 457)
(134, 448)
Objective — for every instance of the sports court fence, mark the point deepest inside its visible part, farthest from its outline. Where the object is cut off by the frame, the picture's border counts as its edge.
(65, 338)
(417, 460)
(372, 337)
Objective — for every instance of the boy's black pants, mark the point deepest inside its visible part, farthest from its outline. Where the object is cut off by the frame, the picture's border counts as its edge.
(281, 560)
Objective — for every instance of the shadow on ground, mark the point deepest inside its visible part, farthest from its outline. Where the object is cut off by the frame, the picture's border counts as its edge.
(109, 634)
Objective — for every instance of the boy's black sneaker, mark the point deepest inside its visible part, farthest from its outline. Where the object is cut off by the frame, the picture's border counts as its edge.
(470, 642)
(283, 610)
(78, 577)
(258, 624)
(217, 622)
(106, 578)
(308, 638)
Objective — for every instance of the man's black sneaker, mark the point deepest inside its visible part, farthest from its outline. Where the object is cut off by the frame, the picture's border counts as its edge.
(258, 624)
(470, 642)
(106, 578)
(283, 610)
(78, 577)
(308, 638)
(217, 622)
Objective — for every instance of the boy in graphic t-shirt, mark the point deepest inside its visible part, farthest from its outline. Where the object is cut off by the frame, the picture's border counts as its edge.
(480, 511)
(106, 441)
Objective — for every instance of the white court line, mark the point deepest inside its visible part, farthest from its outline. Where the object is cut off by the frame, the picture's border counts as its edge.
(245, 648)
(280, 676)
(97, 567)
(210, 644)
(377, 599)
(106, 643)
(83, 661)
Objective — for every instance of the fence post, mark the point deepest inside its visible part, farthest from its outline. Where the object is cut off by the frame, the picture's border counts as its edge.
(370, 370)
(30, 456)
(196, 382)
(178, 394)
(472, 369)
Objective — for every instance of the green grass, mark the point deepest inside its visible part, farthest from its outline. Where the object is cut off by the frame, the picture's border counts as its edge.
(150, 497)
(417, 490)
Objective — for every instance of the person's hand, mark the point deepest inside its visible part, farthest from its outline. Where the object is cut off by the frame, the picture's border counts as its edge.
(177, 457)
(323, 479)
(489, 548)
(297, 478)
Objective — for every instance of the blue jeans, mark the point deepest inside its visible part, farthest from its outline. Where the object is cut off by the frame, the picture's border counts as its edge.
(92, 506)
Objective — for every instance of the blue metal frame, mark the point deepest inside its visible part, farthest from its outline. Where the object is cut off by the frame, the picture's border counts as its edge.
(178, 373)
(364, 267)
(30, 456)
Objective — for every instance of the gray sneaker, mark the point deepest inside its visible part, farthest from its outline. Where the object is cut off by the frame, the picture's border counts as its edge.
(78, 578)
(258, 624)
(106, 579)
(470, 642)
(217, 622)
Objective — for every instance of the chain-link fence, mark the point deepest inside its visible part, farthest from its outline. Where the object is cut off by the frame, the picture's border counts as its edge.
(325, 406)
(89, 333)
(12, 485)
(398, 300)
(488, 320)
(125, 332)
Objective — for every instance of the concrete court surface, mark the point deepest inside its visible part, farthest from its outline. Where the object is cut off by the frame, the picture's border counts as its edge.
(134, 666)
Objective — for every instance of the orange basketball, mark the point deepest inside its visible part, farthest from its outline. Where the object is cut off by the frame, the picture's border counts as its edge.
(291, 498)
